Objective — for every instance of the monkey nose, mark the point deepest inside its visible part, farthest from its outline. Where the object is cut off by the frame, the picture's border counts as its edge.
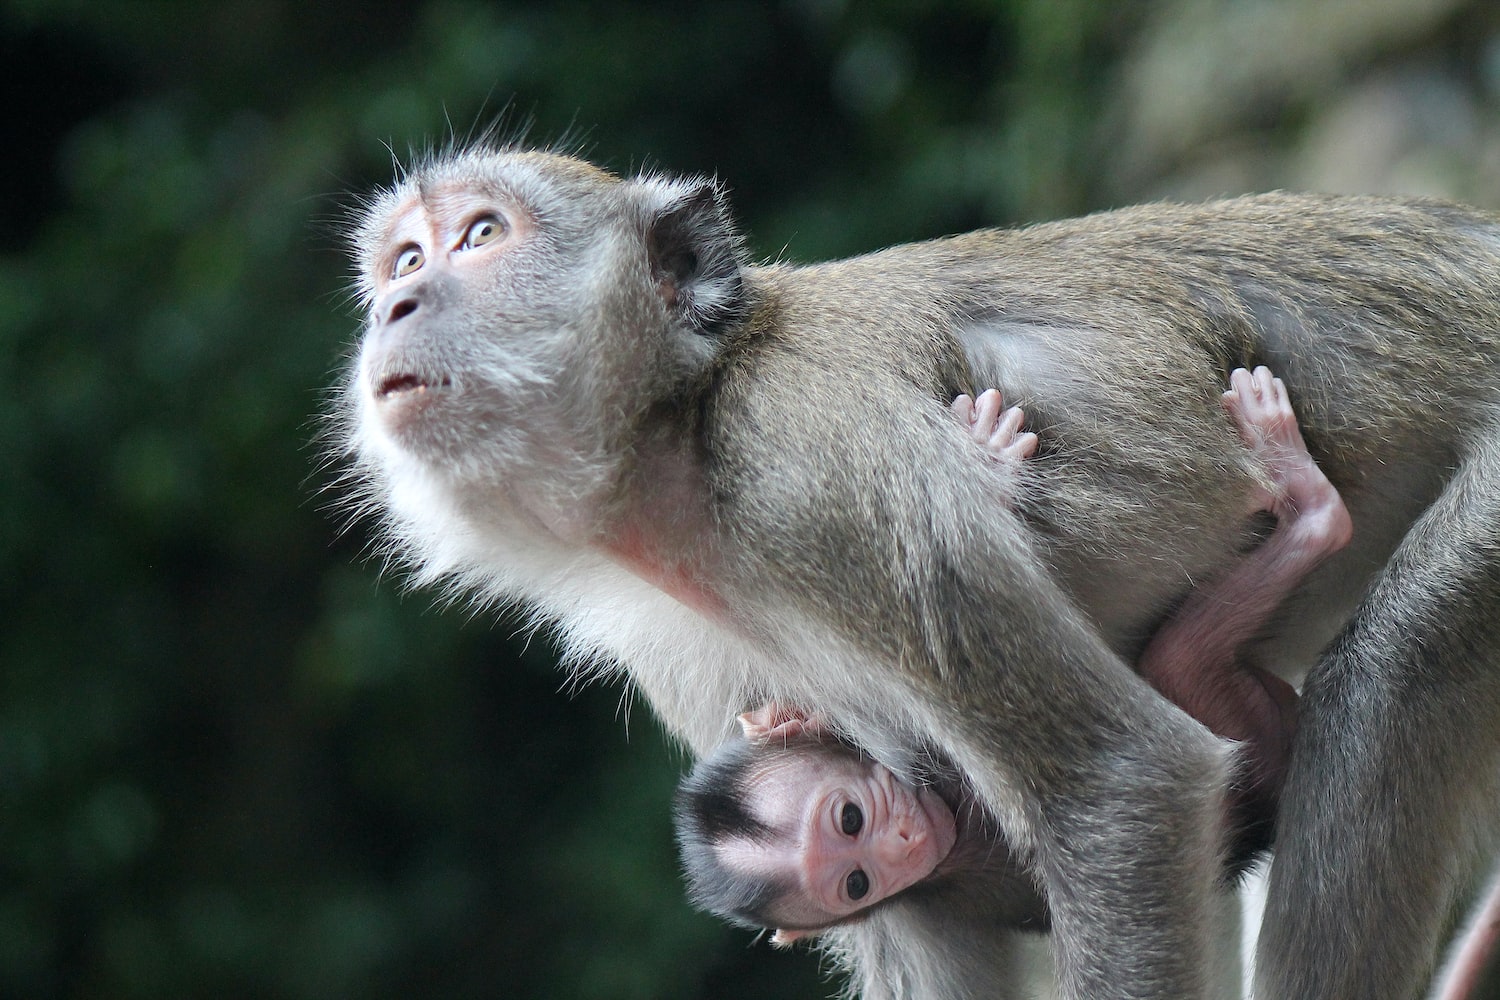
(904, 839)
(399, 310)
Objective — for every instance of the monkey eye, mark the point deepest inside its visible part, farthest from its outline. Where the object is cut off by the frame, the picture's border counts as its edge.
(408, 260)
(857, 884)
(851, 820)
(483, 230)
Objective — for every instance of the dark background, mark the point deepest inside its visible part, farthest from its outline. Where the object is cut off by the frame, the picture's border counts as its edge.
(236, 758)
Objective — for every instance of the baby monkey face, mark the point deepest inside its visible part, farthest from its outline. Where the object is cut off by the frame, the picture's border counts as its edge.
(854, 834)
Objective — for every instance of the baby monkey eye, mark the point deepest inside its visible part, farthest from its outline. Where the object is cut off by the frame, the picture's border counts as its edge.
(851, 820)
(408, 260)
(482, 231)
(857, 884)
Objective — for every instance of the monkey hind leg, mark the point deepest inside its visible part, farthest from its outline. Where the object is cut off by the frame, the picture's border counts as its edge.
(1395, 762)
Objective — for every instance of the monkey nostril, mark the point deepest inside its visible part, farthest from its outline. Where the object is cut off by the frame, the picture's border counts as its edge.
(401, 310)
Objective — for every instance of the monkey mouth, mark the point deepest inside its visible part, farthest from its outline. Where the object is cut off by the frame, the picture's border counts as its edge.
(408, 385)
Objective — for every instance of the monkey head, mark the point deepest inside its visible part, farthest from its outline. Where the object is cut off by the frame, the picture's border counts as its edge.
(525, 313)
(800, 832)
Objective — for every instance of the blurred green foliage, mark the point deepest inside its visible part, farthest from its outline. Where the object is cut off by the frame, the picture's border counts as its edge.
(236, 760)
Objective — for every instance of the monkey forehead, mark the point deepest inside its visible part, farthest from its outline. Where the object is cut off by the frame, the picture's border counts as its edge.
(535, 182)
(786, 784)
(782, 796)
(524, 177)
(777, 855)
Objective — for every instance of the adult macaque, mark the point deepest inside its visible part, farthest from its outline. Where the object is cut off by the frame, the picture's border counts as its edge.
(738, 484)
(794, 829)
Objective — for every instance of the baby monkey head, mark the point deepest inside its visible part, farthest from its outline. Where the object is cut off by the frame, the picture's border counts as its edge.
(804, 833)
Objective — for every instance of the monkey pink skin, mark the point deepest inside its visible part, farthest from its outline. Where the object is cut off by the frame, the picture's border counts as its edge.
(683, 583)
(997, 429)
(941, 827)
(905, 834)
(775, 721)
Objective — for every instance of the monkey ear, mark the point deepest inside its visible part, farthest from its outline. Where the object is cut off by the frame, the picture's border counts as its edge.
(789, 729)
(696, 254)
(774, 720)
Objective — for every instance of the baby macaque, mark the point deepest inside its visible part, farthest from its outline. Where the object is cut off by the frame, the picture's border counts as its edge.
(797, 829)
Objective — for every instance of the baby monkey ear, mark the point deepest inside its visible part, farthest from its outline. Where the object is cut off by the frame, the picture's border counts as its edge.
(774, 720)
(696, 253)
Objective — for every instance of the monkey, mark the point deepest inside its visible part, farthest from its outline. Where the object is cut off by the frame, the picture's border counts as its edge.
(791, 828)
(764, 844)
(733, 483)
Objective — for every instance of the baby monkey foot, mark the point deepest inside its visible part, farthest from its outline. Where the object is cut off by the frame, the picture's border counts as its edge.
(1303, 498)
(994, 427)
